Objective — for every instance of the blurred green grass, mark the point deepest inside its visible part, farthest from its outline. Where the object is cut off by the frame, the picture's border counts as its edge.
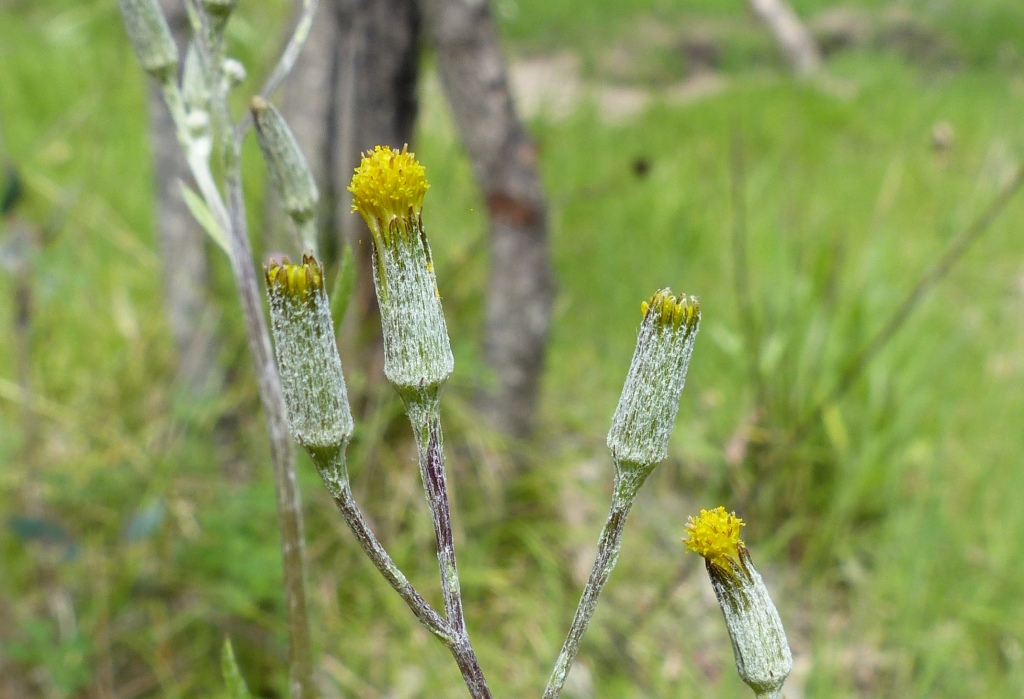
(888, 534)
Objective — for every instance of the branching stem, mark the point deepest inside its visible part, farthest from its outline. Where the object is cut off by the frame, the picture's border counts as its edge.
(232, 218)
(286, 62)
(333, 470)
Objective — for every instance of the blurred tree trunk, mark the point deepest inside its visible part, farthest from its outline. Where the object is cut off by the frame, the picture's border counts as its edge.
(504, 160)
(308, 103)
(378, 78)
(790, 34)
(182, 244)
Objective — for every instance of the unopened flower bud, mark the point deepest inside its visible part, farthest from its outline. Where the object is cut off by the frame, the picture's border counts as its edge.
(307, 355)
(387, 190)
(195, 89)
(234, 72)
(221, 8)
(763, 658)
(288, 168)
(649, 402)
(218, 12)
(150, 36)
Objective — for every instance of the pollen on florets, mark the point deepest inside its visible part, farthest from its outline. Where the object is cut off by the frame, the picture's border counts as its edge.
(388, 184)
(715, 535)
(675, 311)
(295, 280)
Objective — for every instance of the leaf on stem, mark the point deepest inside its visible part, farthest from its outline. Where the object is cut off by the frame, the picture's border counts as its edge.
(202, 214)
(344, 282)
(233, 680)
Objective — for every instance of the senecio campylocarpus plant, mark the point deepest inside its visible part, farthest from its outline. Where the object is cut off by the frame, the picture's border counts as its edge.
(388, 190)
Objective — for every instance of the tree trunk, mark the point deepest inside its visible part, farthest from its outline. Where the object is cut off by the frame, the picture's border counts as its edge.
(182, 244)
(378, 72)
(504, 160)
(794, 40)
(353, 87)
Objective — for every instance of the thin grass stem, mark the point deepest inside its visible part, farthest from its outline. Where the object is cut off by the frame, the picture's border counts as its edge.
(935, 274)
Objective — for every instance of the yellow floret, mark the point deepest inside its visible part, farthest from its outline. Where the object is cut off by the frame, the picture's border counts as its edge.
(388, 184)
(679, 311)
(295, 280)
(715, 535)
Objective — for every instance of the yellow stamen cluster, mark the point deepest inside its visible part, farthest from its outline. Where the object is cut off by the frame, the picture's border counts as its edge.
(295, 280)
(715, 535)
(388, 184)
(679, 311)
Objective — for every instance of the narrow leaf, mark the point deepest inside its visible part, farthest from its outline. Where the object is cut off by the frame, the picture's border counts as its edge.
(204, 216)
(344, 282)
(237, 689)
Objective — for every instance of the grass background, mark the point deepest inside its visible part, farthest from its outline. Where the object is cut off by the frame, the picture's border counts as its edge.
(132, 541)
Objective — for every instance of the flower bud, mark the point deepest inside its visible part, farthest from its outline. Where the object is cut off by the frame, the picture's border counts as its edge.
(288, 168)
(221, 8)
(150, 36)
(649, 402)
(307, 356)
(218, 12)
(195, 89)
(387, 190)
(234, 72)
(763, 658)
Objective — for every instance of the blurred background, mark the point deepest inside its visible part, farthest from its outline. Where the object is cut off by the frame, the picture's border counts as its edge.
(856, 399)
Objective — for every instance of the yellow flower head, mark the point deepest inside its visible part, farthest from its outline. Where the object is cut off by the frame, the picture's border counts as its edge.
(678, 311)
(715, 535)
(388, 184)
(295, 280)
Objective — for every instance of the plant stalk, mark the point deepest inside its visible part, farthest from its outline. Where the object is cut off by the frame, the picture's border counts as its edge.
(289, 505)
(607, 556)
(424, 412)
(231, 217)
(333, 468)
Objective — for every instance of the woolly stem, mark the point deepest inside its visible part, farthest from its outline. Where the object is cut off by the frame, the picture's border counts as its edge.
(607, 556)
(424, 413)
(333, 469)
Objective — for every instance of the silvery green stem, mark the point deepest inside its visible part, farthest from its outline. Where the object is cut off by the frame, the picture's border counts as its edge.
(424, 413)
(233, 220)
(607, 556)
(291, 52)
(289, 505)
(332, 466)
(286, 62)
(197, 153)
